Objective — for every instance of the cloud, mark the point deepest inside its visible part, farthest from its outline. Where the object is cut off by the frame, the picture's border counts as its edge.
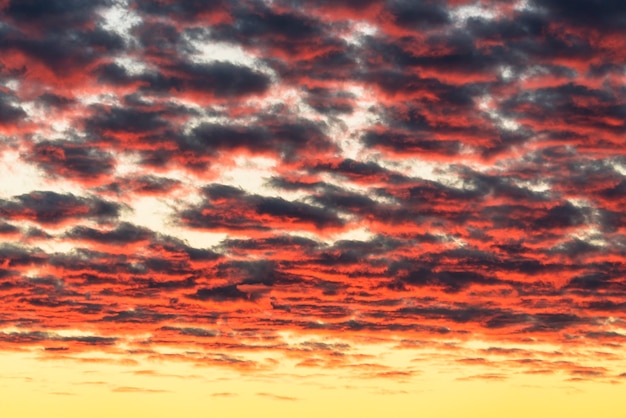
(72, 160)
(233, 178)
(276, 397)
(133, 389)
(125, 233)
(54, 14)
(51, 337)
(586, 12)
(189, 10)
(224, 394)
(11, 113)
(50, 208)
(256, 213)
(486, 377)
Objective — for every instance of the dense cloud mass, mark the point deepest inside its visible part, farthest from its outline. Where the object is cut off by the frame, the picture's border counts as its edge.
(216, 174)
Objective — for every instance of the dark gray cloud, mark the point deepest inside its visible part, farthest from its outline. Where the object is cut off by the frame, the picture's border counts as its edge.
(600, 15)
(192, 9)
(418, 15)
(258, 212)
(125, 233)
(53, 14)
(10, 112)
(286, 138)
(72, 159)
(65, 52)
(220, 294)
(222, 79)
(48, 207)
(7, 228)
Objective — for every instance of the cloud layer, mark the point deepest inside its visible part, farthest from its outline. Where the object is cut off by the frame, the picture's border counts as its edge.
(217, 174)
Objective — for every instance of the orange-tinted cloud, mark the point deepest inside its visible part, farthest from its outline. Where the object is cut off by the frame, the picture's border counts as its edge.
(392, 171)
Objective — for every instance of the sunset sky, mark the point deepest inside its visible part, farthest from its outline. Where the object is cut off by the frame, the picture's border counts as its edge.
(298, 208)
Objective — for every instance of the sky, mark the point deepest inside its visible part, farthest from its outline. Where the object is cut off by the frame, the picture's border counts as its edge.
(346, 208)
